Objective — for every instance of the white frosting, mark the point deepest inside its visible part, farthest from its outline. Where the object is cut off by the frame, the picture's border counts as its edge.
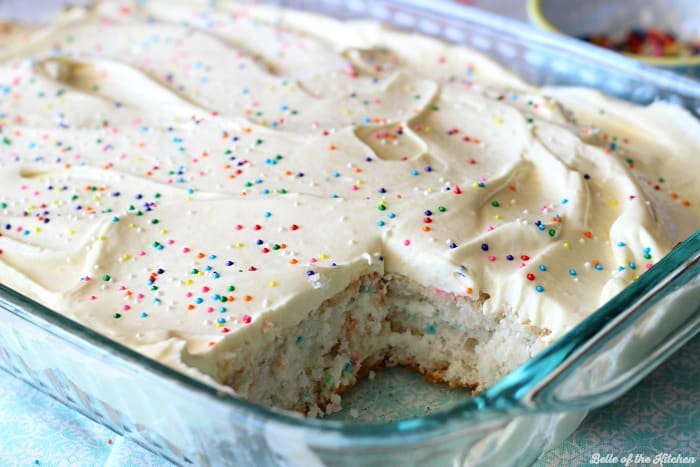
(181, 177)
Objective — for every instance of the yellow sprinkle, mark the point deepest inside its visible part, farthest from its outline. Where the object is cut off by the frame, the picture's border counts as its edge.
(37, 230)
(358, 182)
(132, 226)
(96, 197)
(346, 111)
(497, 217)
(163, 231)
(126, 257)
(614, 203)
(188, 282)
(635, 277)
(239, 245)
(428, 129)
(408, 88)
(71, 232)
(475, 185)
(47, 106)
(323, 256)
(498, 121)
(566, 245)
(429, 190)
(273, 283)
(219, 325)
(101, 238)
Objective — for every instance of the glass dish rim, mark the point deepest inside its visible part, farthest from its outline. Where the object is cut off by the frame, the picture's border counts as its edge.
(520, 378)
(67, 329)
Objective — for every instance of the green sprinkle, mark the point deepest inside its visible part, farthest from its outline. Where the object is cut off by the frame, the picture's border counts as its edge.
(442, 208)
(495, 204)
(116, 315)
(106, 278)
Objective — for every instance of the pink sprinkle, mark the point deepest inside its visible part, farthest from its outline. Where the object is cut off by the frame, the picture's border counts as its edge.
(142, 253)
(126, 307)
(210, 309)
(313, 260)
(491, 228)
(92, 297)
(139, 296)
(170, 242)
(185, 250)
(406, 242)
(188, 294)
(205, 289)
(239, 227)
(246, 319)
(354, 188)
(457, 190)
(492, 258)
(352, 72)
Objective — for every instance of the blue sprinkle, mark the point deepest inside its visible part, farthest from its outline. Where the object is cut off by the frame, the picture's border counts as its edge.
(380, 223)
(632, 265)
(599, 267)
(430, 329)
(572, 272)
(543, 267)
(539, 289)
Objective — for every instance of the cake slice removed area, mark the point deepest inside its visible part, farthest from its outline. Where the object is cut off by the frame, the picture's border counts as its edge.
(377, 321)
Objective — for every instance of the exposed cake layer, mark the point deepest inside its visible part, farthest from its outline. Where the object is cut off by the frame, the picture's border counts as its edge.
(198, 182)
(378, 321)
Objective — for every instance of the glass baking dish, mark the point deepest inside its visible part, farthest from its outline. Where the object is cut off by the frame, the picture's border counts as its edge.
(512, 422)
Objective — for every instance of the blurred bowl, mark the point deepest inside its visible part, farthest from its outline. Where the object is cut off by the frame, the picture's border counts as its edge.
(614, 19)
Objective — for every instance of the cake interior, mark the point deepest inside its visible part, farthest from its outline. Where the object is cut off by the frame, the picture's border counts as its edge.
(380, 321)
